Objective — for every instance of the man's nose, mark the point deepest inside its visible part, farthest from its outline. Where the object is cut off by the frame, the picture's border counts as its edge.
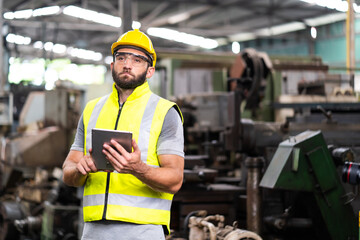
(127, 63)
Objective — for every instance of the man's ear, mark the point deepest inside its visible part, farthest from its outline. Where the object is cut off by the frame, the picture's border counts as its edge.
(111, 65)
(150, 72)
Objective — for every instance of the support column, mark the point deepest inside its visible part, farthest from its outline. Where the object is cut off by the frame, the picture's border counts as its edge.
(350, 38)
(125, 13)
(3, 78)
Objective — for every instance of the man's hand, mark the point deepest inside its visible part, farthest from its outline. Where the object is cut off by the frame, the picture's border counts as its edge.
(76, 168)
(166, 178)
(123, 161)
(86, 164)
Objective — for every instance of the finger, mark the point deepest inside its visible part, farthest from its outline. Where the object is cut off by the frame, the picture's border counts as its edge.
(110, 151)
(135, 146)
(120, 148)
(89, 164)
(81, 169)
(114, 161)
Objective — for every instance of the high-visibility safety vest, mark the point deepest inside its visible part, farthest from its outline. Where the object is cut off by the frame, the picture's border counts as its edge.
(119, 196)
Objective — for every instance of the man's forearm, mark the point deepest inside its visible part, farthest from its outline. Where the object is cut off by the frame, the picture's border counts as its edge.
(161, 179)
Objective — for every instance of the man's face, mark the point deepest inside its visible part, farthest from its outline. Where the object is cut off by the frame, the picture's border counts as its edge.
(130, 68)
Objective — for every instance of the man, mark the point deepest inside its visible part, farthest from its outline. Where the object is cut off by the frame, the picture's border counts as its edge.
(134, 201)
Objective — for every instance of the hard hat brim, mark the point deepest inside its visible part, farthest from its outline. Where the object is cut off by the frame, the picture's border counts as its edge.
(115, 46)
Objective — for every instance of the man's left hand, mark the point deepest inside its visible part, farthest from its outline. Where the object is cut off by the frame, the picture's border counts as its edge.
(123, 161)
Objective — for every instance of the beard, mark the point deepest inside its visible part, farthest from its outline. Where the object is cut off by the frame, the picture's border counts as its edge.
(126, 82)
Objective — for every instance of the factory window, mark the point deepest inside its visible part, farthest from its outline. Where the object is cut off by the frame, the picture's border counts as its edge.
(48, 72)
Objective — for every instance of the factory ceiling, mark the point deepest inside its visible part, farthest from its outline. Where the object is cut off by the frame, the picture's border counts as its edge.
(222, 20)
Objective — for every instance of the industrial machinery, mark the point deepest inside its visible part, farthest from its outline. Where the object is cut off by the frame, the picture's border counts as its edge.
(232, 145)
(34, 203)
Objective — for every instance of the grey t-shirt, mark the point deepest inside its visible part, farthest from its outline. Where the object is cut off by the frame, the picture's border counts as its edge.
(171, 141)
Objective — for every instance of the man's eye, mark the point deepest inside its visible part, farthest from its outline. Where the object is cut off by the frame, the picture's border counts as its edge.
(138, 60)
(120, 58)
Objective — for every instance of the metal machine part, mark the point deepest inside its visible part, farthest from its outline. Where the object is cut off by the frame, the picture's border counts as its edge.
(351, 173)
(304, 163)
(253, 193)
(212, 227)
(10, 211)
(6, 109)
(53, 216)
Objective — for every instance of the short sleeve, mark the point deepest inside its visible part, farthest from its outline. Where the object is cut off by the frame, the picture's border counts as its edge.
(171, 139)
(78, 144)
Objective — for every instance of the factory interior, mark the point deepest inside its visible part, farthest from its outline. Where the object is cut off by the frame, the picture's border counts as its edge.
(269, 91)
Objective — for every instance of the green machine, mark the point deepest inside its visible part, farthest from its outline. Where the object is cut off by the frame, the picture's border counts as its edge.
(304, 163)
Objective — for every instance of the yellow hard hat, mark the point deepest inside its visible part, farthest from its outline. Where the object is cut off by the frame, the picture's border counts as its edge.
(137, 39)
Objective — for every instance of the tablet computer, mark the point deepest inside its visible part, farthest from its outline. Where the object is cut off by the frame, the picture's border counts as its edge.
(101, 136)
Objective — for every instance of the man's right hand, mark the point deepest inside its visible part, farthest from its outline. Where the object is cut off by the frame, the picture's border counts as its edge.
(76, 168)
(86, 165)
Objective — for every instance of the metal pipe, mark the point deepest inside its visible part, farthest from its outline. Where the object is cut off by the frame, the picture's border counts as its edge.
(253, 201)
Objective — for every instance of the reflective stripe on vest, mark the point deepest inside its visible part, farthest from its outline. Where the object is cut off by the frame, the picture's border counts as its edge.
(93, 118)
(127, 200)
(143, 141)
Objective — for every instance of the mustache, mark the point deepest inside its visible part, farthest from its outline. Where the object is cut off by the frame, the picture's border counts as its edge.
(126, 71)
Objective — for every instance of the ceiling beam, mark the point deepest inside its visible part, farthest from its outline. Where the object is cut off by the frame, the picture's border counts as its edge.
(213, 13)
(165, 19)
(154, 13)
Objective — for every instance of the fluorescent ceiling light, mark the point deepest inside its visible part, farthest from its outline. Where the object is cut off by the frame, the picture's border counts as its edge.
(38, 45)
(48, 46)
(74, 52)
(59, 48)
(242, 37)
(182, 37)
(235, 47)
(22, 14)
(356, 8)
(92, 16)
(313, 32)
(84, 54)
(339, 5)
(108, 59)
(46, 11)
(28, 13)
(330, 18)
(178, 17)
(280, 29)
(18, 39)
(136, 25)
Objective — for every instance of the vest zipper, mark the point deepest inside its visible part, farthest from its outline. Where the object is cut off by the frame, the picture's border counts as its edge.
(118, 116)
(108, 174)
